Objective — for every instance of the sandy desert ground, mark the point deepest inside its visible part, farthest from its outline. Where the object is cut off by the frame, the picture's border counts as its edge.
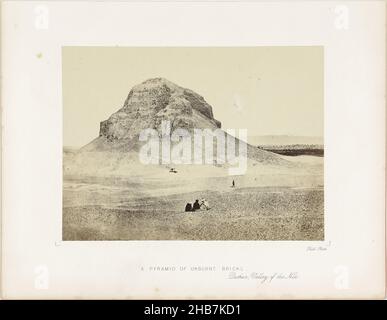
(266, 204)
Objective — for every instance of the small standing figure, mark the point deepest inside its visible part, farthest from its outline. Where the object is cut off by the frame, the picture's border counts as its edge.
(233, 183)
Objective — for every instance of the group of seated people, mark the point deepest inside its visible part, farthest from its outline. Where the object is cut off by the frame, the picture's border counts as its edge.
(197, 205)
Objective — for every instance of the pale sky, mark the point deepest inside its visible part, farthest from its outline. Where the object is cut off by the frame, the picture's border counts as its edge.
(266, 90)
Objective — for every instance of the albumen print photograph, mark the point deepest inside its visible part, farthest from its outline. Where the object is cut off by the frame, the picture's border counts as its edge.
(193, 143)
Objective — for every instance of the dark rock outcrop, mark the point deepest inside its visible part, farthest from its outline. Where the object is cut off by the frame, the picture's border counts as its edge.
(153, 101)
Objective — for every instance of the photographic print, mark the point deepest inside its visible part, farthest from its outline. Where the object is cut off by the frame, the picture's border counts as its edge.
(150, 155)
(193, 143)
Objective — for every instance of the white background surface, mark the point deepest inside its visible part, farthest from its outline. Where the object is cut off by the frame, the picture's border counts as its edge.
(36, 263)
